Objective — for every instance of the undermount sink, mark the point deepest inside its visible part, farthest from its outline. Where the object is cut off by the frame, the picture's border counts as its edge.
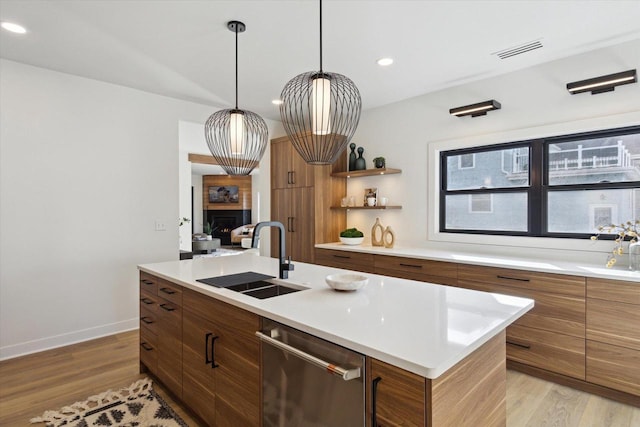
(253, 284)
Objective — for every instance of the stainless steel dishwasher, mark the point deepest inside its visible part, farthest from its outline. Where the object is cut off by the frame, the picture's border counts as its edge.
(307, 381)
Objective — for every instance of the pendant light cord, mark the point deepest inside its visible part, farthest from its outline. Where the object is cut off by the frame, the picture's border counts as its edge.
(320, 36)
(236, 66)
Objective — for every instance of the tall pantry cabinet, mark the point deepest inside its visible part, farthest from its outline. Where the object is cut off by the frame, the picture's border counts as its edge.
(301, 197)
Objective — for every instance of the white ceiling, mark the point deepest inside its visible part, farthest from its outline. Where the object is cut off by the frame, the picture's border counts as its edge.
(183, 49)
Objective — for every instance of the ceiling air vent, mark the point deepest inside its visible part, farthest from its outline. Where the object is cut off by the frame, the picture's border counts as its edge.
(518, 50)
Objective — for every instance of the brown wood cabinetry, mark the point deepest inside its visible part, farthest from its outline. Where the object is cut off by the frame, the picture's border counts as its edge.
(445, 273)
(301, 197)
(222, 362)
(161, 330)
(357, 261)
(613, 334)
(471, 393)
(552, 335)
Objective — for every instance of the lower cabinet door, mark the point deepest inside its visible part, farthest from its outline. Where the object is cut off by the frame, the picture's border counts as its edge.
(170, 345)
(613, 366)
(397, 396)
(199, 366)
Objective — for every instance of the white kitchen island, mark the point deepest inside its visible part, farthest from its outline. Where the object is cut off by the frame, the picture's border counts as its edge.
(427, 330)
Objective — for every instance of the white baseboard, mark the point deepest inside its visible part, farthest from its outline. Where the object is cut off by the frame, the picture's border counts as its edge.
(48, 343)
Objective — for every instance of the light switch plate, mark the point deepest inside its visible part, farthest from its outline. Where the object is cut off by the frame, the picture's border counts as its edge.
(160, 225)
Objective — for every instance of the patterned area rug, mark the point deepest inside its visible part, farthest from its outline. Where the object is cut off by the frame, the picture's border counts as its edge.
(136, 405)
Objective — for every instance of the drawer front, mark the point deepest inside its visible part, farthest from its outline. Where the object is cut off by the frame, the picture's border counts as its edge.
(555, 313)
(169, 317)
(547, 350)
(149, 302)
(148, 283)
(613, 290)
(416, 269)
(149, 350)
(148, 319)
(613, 322)
(343, 259)
(170, 291)
(553, 283)
(614, 367)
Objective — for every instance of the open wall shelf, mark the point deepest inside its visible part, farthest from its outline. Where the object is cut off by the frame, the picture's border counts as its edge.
(346, 208)
(366, 172)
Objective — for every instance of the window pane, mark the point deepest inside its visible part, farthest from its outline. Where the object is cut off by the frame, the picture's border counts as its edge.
(588, 161)
(502, 212)
(488, 169)
(585, 211)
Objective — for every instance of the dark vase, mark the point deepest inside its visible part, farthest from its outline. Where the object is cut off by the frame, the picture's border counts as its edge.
(352, 157)
(361, 164)
(378, 162)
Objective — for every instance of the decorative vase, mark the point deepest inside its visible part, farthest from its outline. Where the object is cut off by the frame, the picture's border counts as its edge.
(376, 230)
(361, 164)
(388, 237)
(634, 256)
(352, 157)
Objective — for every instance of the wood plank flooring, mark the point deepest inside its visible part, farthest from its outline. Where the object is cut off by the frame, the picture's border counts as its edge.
(32, 384)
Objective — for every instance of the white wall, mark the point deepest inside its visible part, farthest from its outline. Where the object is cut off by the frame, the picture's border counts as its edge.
(86, 169)
(535, 103)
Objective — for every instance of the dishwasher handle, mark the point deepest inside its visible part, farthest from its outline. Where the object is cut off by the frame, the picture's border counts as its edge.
(346, 374)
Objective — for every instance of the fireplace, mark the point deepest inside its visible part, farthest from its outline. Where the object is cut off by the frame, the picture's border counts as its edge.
(226, 220)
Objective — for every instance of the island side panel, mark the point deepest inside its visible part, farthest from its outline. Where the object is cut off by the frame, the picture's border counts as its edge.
(473, 392)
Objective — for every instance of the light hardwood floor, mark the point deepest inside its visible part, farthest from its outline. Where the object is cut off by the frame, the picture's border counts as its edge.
(49, 380)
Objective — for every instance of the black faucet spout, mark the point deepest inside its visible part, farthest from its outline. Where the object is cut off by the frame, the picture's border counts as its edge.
(285, 266)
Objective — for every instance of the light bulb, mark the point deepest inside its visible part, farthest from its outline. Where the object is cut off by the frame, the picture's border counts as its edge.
(236, 132)
(321, 104)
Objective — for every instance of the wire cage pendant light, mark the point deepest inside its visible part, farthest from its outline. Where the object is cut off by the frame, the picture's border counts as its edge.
(236, 138)
(320, 112)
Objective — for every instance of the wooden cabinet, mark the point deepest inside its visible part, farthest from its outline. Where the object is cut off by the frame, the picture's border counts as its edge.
(552, 335)
(301, 197)
(613, 334)
(357, 261)
(221, 362)
(445, 273)
(161, 330)
(471, 393)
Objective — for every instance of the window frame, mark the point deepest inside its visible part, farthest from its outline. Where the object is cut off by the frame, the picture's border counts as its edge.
(538, 189)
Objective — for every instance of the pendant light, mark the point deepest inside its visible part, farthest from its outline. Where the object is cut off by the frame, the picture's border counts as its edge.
(236, 138)
(320, 112)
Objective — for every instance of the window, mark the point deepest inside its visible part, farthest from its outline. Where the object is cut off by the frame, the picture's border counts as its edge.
(555, 187)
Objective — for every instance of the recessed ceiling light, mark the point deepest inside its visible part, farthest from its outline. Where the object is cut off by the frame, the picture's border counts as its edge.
(385, 61)
(14, 28)
(277, 102)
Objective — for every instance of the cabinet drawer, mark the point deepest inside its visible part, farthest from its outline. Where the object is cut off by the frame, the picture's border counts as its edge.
(169, 316)
(345, 259)
(149, 349)
(416, 269)
(552, 283)
(547, 350)
(170, 291)
(148, 283)
(613, 322)
(148, 302)
(613, 290)
(148, 319)
(563, 314)
(614, 367)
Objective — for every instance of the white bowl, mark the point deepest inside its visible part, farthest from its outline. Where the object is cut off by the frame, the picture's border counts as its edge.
(346, 281)
(351, 240)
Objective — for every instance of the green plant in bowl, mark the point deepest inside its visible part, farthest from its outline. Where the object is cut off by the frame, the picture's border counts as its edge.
(351, 236)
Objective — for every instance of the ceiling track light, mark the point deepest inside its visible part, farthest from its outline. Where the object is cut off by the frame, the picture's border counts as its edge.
(475, 110)
(236, 138)
(320, 112)
(603, 84)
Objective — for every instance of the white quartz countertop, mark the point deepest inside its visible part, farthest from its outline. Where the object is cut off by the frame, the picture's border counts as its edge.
(557, 266)
(421, 327)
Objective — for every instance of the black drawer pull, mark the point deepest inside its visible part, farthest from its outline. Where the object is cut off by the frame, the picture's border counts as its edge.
(342, 256)
(146, 320)
(517, 344)
(146, 346)
(167, 307)
(147, 282)
(410, 265)
(168, 291)
(374, 393)
(211, 359)
(513, 278)
(147, 301)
